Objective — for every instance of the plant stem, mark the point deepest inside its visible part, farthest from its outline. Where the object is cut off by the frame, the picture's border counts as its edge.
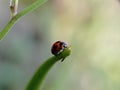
(36, 81)
(13, 20)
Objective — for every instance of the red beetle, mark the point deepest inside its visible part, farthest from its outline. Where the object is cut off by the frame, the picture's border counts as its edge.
(58, 47)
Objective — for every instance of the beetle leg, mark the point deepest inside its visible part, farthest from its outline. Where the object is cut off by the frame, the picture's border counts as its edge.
(62, 59)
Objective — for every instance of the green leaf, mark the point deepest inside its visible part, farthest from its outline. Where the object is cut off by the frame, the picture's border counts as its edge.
(36, 81)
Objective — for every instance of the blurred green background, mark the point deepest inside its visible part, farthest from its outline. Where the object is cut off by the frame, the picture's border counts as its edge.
(92, 27)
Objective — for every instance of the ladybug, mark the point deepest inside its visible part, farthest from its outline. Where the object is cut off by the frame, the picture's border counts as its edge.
(58, 47)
